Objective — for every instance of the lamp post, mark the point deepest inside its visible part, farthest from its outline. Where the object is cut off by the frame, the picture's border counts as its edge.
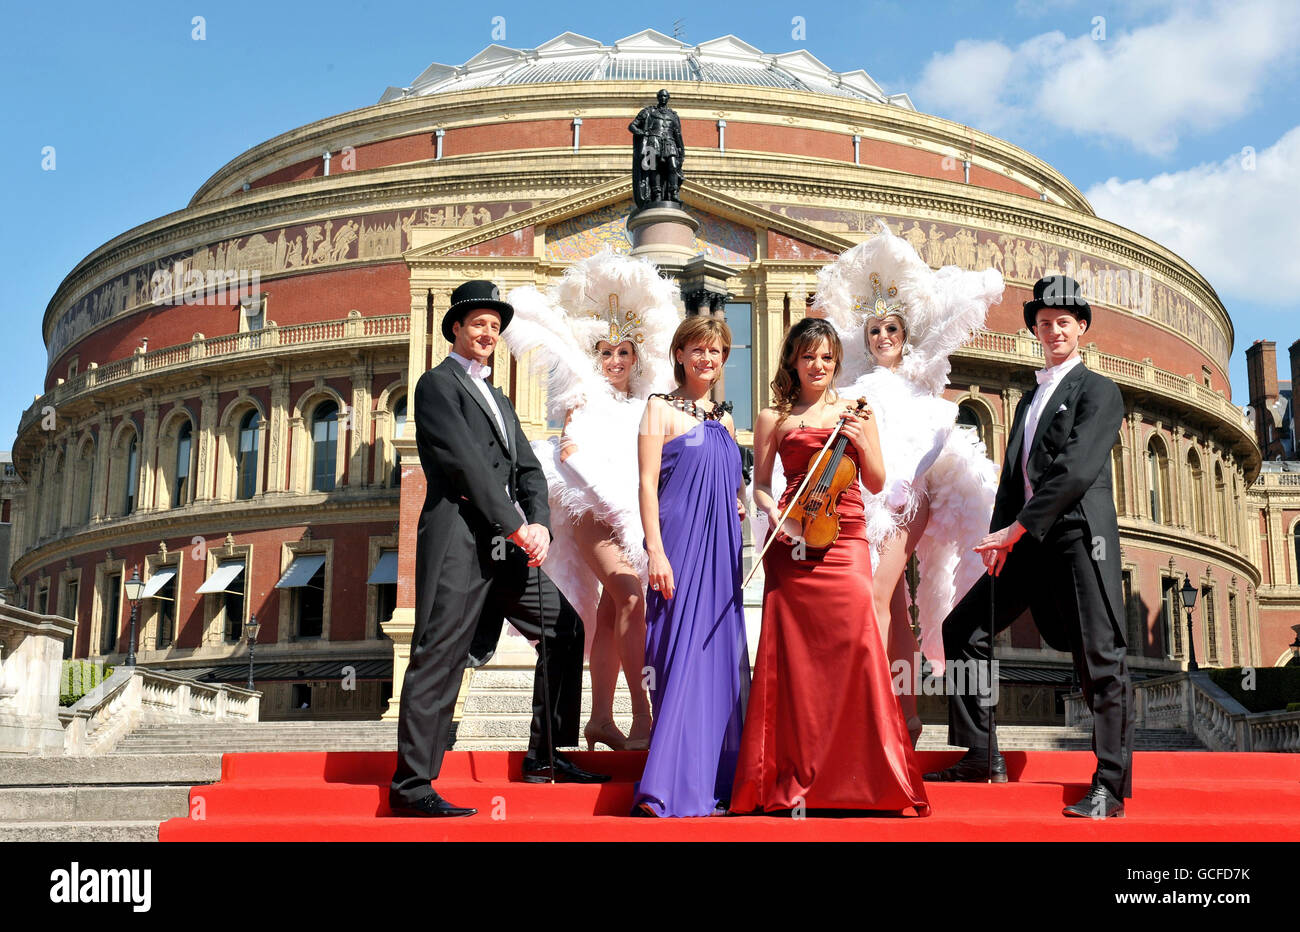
(1189, 599)
(251, 630)
(133, 589)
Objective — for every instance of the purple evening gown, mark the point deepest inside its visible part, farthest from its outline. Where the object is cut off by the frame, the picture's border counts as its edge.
(695, 641)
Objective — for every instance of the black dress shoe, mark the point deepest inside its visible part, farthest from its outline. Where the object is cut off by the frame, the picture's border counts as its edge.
(432, 806)
(538, 770)
(973, 768)
(1097, 803)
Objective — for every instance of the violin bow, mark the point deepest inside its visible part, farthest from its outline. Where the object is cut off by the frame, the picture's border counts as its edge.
(794, 500)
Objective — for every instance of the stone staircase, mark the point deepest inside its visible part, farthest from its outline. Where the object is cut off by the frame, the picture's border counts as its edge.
(111, 798)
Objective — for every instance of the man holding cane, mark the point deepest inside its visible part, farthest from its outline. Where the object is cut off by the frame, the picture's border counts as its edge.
(1054, 548)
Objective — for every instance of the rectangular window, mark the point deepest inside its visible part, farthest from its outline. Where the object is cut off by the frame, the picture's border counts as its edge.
(43, 599)
(4, 512)
(1211, 624)
(1132, 614)
(302, 696)
(112, 613)
(739, 382)
(232, 604)
(1173, 602)
(166, 602)
(1235, 644)
(309, 605)
(71, 591)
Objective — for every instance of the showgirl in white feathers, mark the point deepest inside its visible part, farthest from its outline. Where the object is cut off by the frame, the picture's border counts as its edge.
(900, 321)
(601, 337)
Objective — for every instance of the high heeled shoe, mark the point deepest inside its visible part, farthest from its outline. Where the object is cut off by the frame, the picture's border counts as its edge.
(638, 736)
(605, 733)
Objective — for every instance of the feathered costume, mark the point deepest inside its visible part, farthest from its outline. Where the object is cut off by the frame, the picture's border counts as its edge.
(923, 452)
(607, 297)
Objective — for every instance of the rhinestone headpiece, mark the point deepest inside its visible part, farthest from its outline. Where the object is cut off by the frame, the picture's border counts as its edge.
(624, 327)
(878, 304)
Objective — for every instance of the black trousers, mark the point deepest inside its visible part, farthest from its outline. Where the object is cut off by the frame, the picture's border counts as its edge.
(1060, 583)
(475, 592)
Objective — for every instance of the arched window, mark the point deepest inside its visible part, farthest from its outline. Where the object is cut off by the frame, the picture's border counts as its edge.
(399, 425)
(184, 458)
(1158, 481)
(246, 461)
(1197, 491)
(85, 484)
(132, 474)
(54, 507)
(967, 416)
(324, 446)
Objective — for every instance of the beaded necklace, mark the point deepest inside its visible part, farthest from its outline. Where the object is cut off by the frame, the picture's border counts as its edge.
(687, 406)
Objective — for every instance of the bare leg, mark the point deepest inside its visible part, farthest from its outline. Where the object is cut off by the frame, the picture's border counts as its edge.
(890, 595)
(620, 623)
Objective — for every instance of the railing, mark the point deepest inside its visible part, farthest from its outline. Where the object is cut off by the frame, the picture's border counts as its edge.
(133, 696)
(1193, 702)
(31, 664)
(988, 343)
(202, 349)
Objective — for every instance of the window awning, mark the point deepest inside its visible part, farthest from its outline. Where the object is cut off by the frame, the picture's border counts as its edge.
(301, 570)
(162, 577)
(385, 571)
(222, 577)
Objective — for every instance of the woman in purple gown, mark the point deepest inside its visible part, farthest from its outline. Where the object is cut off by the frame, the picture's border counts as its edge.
(697, 659)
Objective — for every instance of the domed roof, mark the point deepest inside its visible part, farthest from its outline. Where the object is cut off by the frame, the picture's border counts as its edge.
(646, 56)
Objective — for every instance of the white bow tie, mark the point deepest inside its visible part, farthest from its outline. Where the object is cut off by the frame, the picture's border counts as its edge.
(477, 370)
(1043, 375)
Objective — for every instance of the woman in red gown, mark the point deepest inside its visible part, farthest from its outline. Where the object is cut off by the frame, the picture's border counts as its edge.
(823, 729)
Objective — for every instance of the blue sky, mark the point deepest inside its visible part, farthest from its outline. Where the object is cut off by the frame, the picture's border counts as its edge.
(1178, 120)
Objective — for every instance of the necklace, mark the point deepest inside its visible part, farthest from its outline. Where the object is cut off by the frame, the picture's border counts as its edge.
(687, 406)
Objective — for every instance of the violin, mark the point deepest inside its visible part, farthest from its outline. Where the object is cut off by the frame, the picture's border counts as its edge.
(815, 506)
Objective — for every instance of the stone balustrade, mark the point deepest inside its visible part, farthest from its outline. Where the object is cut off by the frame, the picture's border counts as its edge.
(31, 661)
(133, 696)
(271, 340)
(1193, 701)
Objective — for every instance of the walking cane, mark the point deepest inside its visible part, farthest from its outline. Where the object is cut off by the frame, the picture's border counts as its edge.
(993, 708)
(546, 682)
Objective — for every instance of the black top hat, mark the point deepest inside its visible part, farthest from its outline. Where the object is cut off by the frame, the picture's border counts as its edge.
(472, 296)
(1057, 291)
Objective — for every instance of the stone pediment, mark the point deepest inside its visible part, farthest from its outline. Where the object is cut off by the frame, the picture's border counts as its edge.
(732, 231)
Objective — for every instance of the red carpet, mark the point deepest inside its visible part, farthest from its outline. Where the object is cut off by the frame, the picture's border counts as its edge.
(327, 796)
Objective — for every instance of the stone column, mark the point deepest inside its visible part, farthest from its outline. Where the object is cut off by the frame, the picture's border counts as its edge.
(148, 456)
(1140, 502)
(206, 438)
(277, 430)
(99, 487)
(64, 518)
(359, 416)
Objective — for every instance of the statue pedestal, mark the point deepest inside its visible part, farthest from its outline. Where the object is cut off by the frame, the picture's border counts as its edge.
(664, 234)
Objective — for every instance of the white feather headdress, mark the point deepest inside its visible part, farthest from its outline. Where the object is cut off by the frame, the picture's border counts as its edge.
(563, 325)
(941, 309)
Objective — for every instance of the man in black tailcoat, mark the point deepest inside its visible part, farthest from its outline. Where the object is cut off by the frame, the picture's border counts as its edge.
(1054, 548)
(482, 534)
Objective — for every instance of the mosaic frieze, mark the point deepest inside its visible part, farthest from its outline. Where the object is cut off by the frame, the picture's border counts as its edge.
(380, 235)
(1024, 260)
(572, 239)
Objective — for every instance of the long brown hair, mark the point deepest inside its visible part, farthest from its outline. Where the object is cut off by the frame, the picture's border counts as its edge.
(805, 335)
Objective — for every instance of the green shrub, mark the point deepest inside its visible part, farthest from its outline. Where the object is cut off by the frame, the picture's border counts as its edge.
(1276, 688)
(80, 677)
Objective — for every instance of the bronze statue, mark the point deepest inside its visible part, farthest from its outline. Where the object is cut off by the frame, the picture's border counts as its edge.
(657, 154)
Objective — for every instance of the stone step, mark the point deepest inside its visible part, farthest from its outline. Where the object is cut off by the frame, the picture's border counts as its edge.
(93, 803)
(136, 830)
(143, 769)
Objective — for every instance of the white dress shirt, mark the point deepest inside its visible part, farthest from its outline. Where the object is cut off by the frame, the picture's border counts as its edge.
(1048, 380)
(478, 374)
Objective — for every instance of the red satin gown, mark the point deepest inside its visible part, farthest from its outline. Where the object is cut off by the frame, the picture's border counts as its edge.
(823, 729)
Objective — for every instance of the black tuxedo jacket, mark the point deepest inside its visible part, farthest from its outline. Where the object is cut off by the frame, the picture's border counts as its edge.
(473, 473)
(1069, 471)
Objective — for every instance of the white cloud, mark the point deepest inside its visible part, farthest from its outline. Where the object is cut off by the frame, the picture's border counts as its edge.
(1193, 71)
(1233, 222)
